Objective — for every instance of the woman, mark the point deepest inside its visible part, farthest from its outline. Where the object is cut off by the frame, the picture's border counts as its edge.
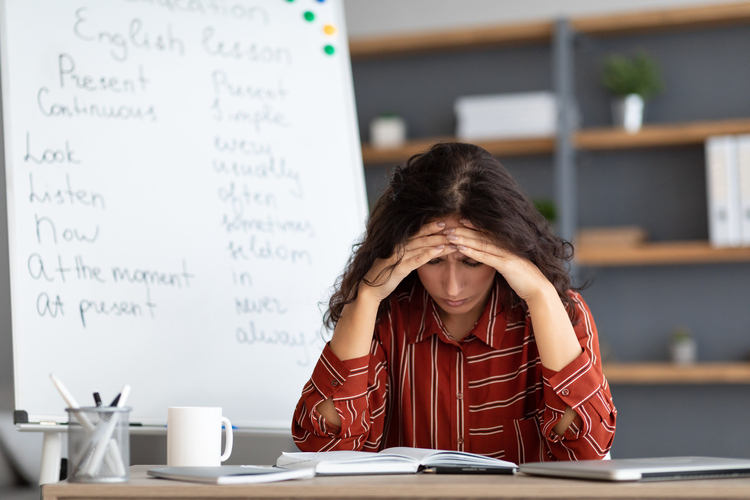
(456, 327)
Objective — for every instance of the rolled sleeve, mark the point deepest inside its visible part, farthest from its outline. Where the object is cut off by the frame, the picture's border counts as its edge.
(580, 385)
(576, 383)
(333, 378)
(353, 385)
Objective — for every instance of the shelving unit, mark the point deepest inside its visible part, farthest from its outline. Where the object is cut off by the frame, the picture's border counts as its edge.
(563, 147)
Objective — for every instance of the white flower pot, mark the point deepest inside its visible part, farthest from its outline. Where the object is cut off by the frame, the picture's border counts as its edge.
(387, 132)
(627, 112)
(684, 351)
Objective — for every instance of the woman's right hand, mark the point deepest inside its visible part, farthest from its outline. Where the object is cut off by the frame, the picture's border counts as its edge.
(429, 243)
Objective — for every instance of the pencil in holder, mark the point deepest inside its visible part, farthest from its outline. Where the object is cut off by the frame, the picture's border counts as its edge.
(98, 444)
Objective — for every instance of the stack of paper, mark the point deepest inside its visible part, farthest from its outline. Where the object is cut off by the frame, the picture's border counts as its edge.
(527, 114)
(728, 190)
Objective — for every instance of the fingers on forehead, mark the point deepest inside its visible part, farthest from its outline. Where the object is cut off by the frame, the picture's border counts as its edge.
(449, 249)
(431, 228)
(427, 241)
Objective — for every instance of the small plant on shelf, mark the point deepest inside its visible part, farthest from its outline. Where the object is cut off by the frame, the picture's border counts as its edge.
(683, 347)
(632, 80)
(639, 74)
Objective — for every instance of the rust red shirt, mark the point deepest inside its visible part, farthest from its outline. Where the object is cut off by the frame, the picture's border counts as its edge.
(486, 394)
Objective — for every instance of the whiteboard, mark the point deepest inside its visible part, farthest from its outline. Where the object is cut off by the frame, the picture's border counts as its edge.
(184, 185)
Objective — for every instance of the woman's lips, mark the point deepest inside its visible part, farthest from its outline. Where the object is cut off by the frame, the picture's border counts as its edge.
(455, 303)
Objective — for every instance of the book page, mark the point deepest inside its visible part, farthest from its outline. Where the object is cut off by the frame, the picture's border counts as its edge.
(445, 457)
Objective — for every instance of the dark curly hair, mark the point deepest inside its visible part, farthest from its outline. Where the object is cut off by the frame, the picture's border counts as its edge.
(463, 180)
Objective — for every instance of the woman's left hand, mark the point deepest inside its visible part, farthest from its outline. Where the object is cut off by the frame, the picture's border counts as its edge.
(521, 274)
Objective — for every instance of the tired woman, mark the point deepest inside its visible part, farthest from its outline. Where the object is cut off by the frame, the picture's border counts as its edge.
(455, 327)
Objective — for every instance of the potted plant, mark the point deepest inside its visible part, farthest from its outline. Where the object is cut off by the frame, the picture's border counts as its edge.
(683, 348)
(547, 208)
(632, 80)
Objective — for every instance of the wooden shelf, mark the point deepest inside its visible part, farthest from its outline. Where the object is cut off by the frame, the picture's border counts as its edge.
(667, 373)
(505, 147)
(651, 21)
(541, 32)
(659, 253)
(672, 134)
(440, 41)
(603, 139)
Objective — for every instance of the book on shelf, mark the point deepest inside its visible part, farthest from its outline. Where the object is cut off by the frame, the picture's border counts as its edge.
(616, 236)
(743, 171)
(723, 193)
(230, 474)
(397, 460)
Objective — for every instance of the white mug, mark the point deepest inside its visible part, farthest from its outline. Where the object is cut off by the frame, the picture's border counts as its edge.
(194, 436)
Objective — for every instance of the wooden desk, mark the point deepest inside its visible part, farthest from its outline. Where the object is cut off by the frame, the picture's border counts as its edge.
(422, 486)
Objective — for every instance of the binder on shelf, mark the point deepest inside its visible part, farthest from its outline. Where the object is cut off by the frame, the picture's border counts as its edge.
(722, 191)
(523, 114)
(743, 171)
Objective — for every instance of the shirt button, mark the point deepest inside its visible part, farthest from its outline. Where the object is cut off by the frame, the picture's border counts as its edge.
(460, 395)
(460, 440)
(565, 392)
(334, 383)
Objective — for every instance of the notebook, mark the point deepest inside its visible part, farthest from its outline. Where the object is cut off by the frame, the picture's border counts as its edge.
(642, 469)
(230, 474)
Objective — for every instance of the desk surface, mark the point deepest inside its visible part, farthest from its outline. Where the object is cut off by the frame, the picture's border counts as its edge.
(427, 486)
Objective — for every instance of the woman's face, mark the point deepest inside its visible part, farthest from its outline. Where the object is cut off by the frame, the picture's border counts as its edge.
(459, 286)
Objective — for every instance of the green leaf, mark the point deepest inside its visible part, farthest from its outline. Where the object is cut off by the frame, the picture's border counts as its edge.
(639, 74)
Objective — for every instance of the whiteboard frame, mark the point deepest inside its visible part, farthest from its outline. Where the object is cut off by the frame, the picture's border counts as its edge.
(36, 421)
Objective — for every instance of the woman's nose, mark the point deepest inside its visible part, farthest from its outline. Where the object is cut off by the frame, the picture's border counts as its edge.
(453, 285)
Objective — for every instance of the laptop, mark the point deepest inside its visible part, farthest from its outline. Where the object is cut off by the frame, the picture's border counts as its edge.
(642, 469)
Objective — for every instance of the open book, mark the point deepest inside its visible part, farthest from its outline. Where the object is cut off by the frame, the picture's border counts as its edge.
(400, 460)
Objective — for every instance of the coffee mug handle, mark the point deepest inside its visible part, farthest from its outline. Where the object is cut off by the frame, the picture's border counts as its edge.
(230, 439)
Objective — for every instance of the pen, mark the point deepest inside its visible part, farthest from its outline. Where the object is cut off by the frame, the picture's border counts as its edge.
(71, 402)
(97, 399)
(115, 401)
(458, 469)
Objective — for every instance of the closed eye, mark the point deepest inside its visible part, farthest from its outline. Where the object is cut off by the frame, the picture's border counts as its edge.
(467, 263)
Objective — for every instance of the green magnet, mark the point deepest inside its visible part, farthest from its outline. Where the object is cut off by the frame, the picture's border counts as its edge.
(329, 49)
(309, 16)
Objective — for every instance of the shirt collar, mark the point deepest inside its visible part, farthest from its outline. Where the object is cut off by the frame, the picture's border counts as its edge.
(425, 320)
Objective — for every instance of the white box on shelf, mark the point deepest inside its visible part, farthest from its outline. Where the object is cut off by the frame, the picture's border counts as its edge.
(722, 191)
(525, 114)
(743, 171)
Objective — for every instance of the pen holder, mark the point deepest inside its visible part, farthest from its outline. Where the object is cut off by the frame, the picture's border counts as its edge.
(98, 444)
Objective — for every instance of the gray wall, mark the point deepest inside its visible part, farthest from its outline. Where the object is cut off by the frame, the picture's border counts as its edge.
(707, 76)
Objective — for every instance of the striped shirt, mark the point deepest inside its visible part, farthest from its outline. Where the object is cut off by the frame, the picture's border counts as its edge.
(486, 394)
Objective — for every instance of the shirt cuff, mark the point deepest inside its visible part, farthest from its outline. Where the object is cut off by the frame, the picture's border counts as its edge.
(576, 383)
(342, 379)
